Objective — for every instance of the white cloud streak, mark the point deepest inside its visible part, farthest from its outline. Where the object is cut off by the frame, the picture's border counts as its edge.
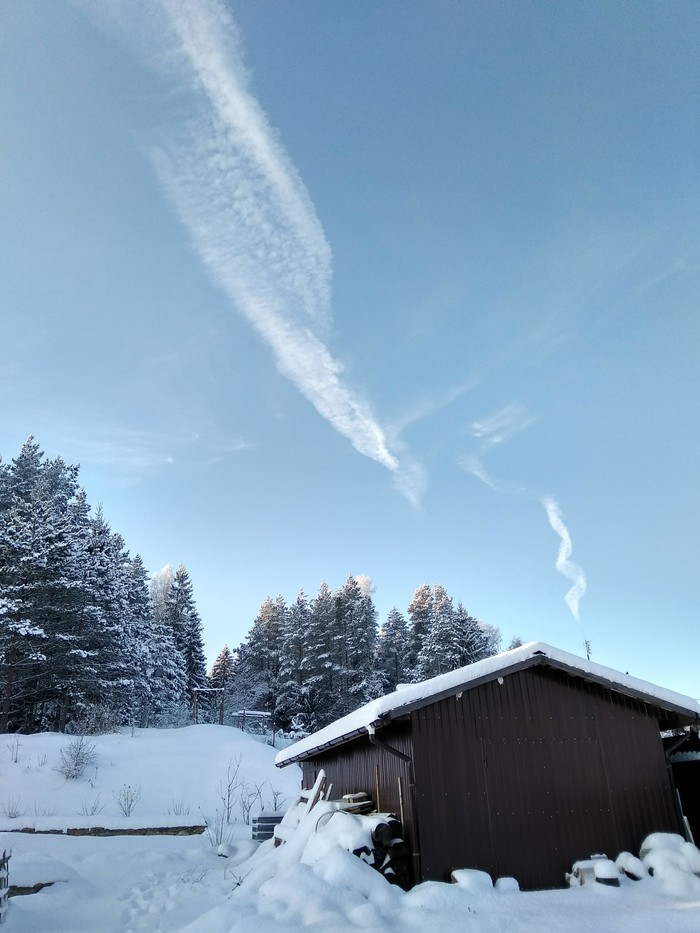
(502, 424)
(565, 566)
(254, 226)
(495, 429)
(492, 430)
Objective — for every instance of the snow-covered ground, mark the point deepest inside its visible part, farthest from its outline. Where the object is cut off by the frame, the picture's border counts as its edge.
(164, 883)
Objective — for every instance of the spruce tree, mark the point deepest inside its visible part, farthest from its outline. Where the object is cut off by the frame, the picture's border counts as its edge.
(258, 667)
(392, 651)
(420, 614)
(186, 625)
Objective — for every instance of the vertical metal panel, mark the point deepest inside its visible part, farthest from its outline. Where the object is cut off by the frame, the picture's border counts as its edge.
(522, 778)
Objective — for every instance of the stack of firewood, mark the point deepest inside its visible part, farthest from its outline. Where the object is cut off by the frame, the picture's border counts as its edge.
(389, 853)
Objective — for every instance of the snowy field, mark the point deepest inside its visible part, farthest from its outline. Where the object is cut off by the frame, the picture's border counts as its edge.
(164, 883)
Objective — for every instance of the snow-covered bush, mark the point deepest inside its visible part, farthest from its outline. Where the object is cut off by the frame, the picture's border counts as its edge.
(78, 755)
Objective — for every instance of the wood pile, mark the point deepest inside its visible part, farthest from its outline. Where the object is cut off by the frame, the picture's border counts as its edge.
(389, 853)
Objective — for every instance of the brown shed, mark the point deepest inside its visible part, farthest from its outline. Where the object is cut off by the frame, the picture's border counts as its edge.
(517, 765)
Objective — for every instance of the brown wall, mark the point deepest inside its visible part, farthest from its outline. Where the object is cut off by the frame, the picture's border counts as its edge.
(352, 768)
(523, 778)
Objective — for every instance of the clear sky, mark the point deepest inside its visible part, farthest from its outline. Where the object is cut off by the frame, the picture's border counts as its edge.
(407, 289)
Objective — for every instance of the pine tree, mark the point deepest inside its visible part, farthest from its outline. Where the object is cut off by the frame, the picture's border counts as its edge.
(440, 651)
(258, 667)
(221, 673)
(186, 625)
(170, 702)
(392, 651)
(41, 589)
(294, 700)
(140, 646)
(420, 614)
(321, 681)
(353, 644)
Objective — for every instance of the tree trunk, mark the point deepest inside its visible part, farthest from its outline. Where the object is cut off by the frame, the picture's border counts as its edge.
(7, 698)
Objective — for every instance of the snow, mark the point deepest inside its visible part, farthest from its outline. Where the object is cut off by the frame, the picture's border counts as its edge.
(392, 704)
(180, 883)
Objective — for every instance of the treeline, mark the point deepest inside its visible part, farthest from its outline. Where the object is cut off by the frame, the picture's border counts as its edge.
(84, 635)
(319, 658)
(88, 641)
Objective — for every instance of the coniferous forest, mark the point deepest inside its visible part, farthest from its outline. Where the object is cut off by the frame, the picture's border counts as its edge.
(89, 639)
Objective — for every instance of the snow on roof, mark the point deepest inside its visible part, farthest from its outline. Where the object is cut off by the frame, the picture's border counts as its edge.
(413, 696)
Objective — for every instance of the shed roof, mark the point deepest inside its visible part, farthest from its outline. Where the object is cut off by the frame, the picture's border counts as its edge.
(682, 710)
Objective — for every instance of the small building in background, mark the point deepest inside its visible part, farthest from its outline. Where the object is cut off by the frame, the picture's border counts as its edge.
(683, 752)
(517, 765)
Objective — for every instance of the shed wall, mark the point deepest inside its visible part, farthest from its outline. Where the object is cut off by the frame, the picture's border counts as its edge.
(524, 777)
(354, 767)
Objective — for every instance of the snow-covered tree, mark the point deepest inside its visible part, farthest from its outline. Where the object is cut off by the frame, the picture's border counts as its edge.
(183, 619)
(420, 614)
(221, 673)
(258, 667)
(392, 651)
(295, 669)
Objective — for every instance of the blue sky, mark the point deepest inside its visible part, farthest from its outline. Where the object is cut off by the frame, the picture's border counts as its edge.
(407, 290)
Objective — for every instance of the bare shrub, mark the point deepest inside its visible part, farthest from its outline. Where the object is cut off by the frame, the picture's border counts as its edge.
(228, 786)
(179, 808)
(91, 809)
(218, 831)
(78, 755)
(43, 811)
(250, 795)
(278, 798)
(13, 808)
(14, 746)
(127, 798)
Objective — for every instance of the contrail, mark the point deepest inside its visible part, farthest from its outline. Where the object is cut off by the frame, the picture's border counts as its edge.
(563, 564)
(254, 225)
(495, 429)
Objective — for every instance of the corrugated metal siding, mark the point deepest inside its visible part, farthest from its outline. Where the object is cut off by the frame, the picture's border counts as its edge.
(522, 778)
(352, 768)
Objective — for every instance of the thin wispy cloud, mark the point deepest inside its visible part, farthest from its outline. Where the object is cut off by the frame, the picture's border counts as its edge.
(130, 456)
(254, 225)
(428, 407)
(496, 429)
(501, 425)
(563, 563)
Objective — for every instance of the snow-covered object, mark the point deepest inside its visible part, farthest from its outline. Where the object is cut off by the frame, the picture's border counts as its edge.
(679, 757)
(472, 880)
(691, 855)
(672, 862)
(606, 872)
(413, 696)
(662, 852)
(660, 841)
(597, 868)
(631, 866)
(507, 885)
